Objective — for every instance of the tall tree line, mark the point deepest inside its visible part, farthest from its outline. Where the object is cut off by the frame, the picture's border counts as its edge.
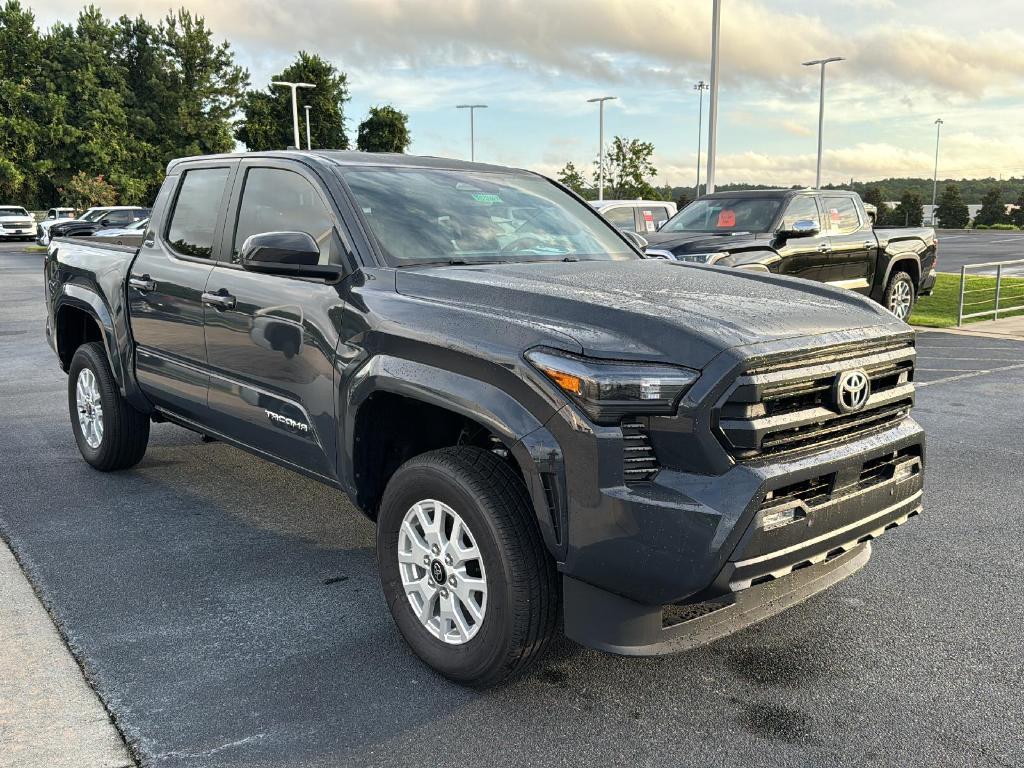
(111, 98)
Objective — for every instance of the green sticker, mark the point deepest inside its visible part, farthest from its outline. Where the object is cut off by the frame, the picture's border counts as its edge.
(481, 197)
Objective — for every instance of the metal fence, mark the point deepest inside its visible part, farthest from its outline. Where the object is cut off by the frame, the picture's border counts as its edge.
(1001, 298)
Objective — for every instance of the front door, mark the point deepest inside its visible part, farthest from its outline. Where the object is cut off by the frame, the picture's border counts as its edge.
(166, 284)
(271, 339)
(853, 244)
(807, 256)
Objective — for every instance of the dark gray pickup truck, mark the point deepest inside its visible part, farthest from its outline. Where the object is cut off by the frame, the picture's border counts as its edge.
(533, 413)
(823, 235)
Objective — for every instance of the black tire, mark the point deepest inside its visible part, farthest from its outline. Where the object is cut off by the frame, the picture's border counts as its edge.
(900, 295)
(522, 587)
(125, 430)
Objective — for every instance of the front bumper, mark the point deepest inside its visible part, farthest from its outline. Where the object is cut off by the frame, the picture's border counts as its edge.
(29, 230)
(695, 542)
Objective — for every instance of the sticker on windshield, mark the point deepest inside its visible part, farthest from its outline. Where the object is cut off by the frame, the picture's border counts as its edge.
(726, 218)
(488, 199)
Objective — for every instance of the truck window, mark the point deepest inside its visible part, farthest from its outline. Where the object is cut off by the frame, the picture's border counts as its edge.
(620, 217)
(653, 217)
(723, 214)
(803, 208)
(842, 214)
(194, 219)
(276, 200)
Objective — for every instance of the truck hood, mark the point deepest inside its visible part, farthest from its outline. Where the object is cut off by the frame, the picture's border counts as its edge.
(648, 309)
(16, 218)
(702, 242)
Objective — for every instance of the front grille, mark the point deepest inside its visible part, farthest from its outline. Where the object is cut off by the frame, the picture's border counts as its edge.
(638, 459)
(787, 405)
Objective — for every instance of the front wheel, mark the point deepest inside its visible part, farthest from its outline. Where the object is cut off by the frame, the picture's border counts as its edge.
(463, 567)
(110, 433)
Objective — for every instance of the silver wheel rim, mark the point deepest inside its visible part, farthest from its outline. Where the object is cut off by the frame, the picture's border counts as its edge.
(901, 299)
(442, 572)
(90, 408)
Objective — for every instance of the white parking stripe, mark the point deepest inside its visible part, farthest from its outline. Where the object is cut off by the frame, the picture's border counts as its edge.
(966, 376)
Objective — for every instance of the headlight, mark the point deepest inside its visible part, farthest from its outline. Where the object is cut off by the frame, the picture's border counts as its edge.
(702, 258)
(609, 390)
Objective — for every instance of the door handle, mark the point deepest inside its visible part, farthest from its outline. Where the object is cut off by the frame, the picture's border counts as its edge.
(144, 283)
(221, 300)
(869, 244)
(825, 248)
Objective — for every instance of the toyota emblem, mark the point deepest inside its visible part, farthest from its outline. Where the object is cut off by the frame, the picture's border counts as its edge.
(851, 391)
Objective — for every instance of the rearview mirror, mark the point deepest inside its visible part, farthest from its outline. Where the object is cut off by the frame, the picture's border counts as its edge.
(639, 241)
(801, 228)
(294, 254)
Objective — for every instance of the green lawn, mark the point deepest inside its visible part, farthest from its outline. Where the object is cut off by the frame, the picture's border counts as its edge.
(939, 309)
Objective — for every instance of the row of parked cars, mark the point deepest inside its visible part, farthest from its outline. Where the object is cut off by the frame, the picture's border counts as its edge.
(122, 224)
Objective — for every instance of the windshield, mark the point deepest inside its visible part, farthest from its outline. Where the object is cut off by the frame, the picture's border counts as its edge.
(422, 215)
(724, 214)
(92, 214)
(13, 211)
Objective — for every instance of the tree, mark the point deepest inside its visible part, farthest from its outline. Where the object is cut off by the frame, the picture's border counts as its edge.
(84, 191)
(385, 129)
(628, 169)
(909, 210)
(993, 211)
(952, 212)
(1017, 214)
(874, 196)
(268, 114)
(572, 178)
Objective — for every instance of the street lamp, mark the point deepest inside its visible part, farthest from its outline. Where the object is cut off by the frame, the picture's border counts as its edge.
(821, 107)
(472, 139)
(600, 141)
(309, 144)
(935, 177)
(716, 26)
(295, 105)
(700, 87)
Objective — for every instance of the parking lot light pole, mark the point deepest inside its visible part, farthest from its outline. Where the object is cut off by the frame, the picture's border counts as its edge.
(699, 87)
(309, 144)
(472, 131)
(935, 176)
(821, 108)
(295, 105)
(600, 141)
(716, 26)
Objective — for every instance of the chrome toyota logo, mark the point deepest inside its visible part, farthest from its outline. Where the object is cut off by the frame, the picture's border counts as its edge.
(851, 391)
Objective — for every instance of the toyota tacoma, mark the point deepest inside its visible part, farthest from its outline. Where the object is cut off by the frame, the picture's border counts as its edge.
(543, 424)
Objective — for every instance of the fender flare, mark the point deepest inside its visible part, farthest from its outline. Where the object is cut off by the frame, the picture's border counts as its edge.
(755, 260)
(73, 295)
(892, 259)
(534, 448)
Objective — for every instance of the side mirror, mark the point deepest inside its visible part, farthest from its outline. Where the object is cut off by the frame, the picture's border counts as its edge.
(801, 228)
(637, 240)
(293, 254)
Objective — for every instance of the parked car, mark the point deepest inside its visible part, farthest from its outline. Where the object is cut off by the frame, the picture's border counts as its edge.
(16, 223)
(130, 235)
(111, 217)
(640, 216)
(43, 227)
(529, 410)
(825, 236)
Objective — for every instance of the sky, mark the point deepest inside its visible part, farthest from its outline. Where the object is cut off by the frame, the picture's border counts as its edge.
(535, 63)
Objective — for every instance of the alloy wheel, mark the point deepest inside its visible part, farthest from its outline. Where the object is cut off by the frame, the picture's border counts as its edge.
(90, 408)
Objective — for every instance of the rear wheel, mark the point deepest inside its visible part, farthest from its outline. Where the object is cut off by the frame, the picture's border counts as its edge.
(900, 295)
(110, 433)
(463, 568)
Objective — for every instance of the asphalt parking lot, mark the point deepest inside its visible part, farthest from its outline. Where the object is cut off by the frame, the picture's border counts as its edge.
(228, 612)
(957, 248)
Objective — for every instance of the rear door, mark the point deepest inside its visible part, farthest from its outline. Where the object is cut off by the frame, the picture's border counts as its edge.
(166, 284)
(854, 246)
(270, 338)
(806, 257)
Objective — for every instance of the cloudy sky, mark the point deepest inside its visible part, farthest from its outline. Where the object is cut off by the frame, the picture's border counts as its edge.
(536, 63)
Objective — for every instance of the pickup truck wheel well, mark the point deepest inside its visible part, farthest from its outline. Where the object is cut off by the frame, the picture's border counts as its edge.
(910, 266)
(390, 429)
(74, 327)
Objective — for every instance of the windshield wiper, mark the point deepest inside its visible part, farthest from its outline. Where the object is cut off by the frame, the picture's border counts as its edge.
(455, 262)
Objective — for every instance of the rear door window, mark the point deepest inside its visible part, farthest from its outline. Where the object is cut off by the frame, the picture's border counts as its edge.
(621, 217)
(842, 214)
(193, 222)
(652, 217)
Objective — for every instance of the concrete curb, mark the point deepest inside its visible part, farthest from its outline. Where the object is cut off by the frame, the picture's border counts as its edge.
(49, 716)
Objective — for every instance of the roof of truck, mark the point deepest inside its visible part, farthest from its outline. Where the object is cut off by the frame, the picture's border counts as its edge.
(346, 157)
(780, 193)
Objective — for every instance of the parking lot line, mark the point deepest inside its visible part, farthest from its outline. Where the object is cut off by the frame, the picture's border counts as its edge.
(970, 375)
